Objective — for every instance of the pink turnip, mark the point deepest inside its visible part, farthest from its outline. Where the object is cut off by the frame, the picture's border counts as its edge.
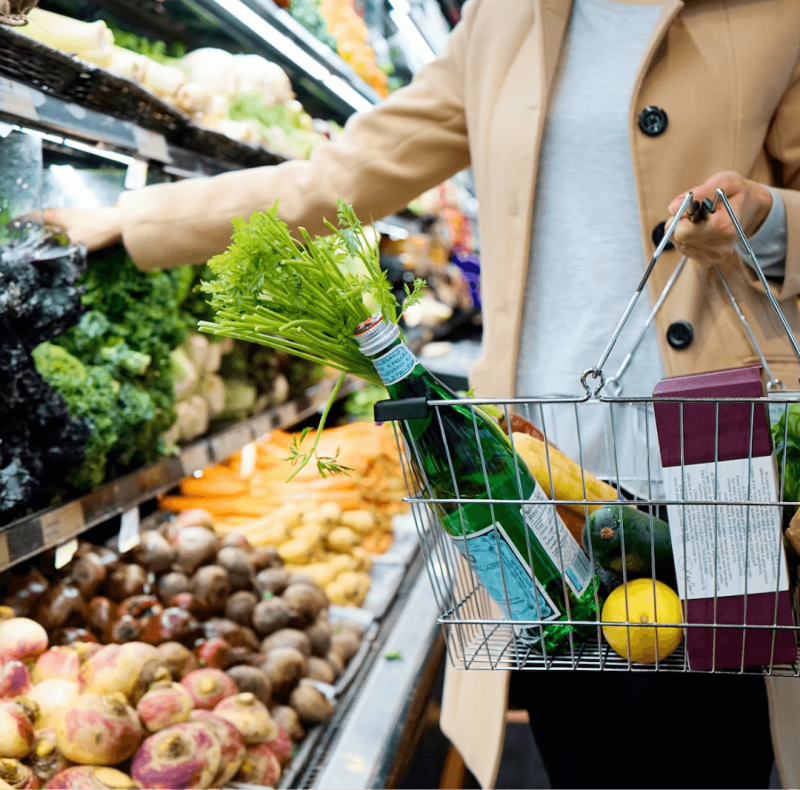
(249, 716)
(45, 757)
(281, 745)
(164, 706)
(182, 756)
(231, 744)
(112, 669)
(21, 639)
(16, 730)
(50, 697)
(208, 687)
(214, 652)
(17, 775)
(15, 679)
(98, 729)
(61, 663)
(89, 777)
(260, 767)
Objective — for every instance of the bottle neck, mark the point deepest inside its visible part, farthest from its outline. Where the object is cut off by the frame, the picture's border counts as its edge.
(393, 360)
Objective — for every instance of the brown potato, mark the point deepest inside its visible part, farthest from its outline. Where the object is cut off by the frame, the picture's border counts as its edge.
(312, 706)
(284, 666)
(288, 719)
(345, 644)
(336, 663)
(270, 615)
(240, 606)
(319, 635)
(320, 669)
(239, 566)
(304, 601)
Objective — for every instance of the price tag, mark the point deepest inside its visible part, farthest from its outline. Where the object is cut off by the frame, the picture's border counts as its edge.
(61, 524)
(5, 557)
(16, 99)
(230, 442)
(151, 145)
(136, 174)
(194, 458)
(65, 553)
(129, 530)
(247, 464)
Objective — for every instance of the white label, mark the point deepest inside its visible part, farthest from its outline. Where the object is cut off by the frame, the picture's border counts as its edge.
(545, 523)
(151, 145)
(395, 365)
(747, 536)
(65, 553)
(506, 576)
(16, 99)
(129, 530)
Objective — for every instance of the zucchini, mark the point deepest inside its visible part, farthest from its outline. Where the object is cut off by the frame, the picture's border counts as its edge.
(605, 530)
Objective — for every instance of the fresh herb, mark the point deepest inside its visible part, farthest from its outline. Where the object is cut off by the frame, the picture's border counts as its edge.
(787, 452)
(155, 50)
(303, 299)
(393, 655)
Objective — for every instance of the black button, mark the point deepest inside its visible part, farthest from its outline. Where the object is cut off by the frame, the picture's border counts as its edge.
(653, 121)
(658, 234)
(680, 335)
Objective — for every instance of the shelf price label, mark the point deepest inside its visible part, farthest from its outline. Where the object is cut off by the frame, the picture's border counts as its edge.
(5, 557)
(129, 530)
(61, 524)
(65, 552)
(151, 145)
(16, 99)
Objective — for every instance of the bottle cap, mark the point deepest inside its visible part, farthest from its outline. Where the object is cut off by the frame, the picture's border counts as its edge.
(375, 334)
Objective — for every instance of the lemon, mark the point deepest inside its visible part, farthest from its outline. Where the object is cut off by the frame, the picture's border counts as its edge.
(642, 606)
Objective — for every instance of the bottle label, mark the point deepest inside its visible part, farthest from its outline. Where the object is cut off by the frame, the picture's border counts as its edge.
(395, 365)
(545, 523)
(501, 569)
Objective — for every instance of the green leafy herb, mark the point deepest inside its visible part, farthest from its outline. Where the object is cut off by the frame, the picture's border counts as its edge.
(303, 299)
(393, 655)
(787, 443)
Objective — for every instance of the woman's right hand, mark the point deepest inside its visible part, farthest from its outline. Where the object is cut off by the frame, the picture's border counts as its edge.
(96, 227)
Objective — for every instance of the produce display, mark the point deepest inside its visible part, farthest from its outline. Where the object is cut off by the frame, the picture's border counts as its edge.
(245, 97)
(191, 661)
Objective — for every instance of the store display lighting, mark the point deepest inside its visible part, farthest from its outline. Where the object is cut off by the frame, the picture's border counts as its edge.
(289, 49)
(101, 152)
(74, 184)
(401, 16)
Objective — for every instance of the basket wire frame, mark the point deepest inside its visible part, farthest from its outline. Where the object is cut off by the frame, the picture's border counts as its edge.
(479, 637)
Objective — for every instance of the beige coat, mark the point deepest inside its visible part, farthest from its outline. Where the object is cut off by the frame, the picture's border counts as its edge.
(725, 71)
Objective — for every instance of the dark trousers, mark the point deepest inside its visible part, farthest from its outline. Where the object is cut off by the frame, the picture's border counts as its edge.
(643, 730)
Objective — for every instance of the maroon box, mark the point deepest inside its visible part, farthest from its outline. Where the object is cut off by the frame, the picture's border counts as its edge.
(726, 555)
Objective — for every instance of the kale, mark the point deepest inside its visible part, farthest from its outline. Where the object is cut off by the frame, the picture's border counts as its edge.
(39, 438)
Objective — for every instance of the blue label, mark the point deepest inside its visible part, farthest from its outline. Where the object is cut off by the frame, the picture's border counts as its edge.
(521, 597)
(395, 365)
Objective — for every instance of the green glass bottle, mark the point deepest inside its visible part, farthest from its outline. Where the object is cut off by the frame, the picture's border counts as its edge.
(514, 550)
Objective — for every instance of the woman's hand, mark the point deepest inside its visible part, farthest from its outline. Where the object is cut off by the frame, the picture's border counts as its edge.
(713, 239)
(96, 228)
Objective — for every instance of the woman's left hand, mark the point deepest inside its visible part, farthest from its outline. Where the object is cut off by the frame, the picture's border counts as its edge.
(713, 239)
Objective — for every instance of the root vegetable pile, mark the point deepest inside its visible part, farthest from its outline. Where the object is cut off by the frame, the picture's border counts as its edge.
(150, 682)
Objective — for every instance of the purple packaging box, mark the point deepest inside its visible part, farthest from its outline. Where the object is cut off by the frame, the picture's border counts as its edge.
(754, 541)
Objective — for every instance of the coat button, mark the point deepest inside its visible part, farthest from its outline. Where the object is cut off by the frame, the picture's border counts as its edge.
(680, 335)
(653, 121)
(658, 234)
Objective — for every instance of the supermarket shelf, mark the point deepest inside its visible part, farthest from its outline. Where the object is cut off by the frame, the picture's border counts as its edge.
(50, 528)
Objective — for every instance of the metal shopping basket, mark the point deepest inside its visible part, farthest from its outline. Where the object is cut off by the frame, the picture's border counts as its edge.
(740, 617)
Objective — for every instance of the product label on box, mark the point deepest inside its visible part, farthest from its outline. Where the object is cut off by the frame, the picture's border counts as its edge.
(506, 576)
(545, 523)
(395, 365)
(729, 543)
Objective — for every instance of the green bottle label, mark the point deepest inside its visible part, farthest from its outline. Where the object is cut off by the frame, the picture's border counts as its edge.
(506, 576)
(395, 365)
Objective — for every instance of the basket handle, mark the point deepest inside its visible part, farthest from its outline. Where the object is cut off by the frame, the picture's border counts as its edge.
(695, 211)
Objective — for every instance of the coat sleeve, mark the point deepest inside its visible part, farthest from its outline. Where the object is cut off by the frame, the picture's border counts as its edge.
(783, 145)
(385, 158)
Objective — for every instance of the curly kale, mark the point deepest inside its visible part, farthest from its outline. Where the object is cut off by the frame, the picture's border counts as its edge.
(39, 438)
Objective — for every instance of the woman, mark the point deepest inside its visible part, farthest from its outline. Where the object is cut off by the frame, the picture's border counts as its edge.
(709, 97)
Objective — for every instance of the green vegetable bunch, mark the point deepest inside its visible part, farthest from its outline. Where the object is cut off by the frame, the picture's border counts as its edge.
(787, 451)
(303, 299)
(114, 367)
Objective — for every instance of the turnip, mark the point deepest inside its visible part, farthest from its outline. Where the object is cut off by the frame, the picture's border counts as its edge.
(154, 552)
(98, 729)
(214, 652)
(182, 756)
(231, 744)
(177, 658)
(57, 663)
(21, 639)
(249, 716)
(208, 687)
(164, 706)
(260, 767)
(89, 777)
(17, 775)
(112, 669)
(15, 679)
(45, 757)
(281, 745)
(51, 697)
(16, 730)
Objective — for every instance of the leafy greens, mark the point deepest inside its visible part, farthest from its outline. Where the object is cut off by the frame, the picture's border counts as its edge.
(304, 299)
